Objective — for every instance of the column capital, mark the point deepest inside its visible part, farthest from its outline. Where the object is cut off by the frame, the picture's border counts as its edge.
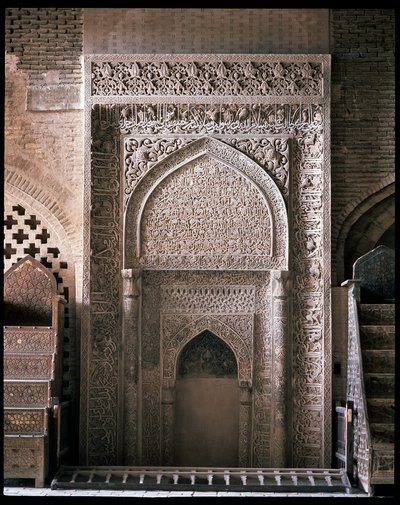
(280, 280)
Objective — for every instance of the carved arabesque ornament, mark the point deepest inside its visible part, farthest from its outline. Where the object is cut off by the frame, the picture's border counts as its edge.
(160, 125)
(219, 172)
(199, 78)
(240, 344)
(142, 153)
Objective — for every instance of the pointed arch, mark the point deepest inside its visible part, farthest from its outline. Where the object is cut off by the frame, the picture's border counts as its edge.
(241, 350)
(255, 199)
(376, 210)
(206, 355)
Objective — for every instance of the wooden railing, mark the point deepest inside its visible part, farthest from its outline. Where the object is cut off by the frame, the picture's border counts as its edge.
(189, 478)
(361, 438)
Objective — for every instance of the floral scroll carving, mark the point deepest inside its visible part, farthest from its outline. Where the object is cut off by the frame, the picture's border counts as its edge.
(207, 167)
(206, 356)
(242, 346)
(266, 119)
(141, 154)
(195, 78)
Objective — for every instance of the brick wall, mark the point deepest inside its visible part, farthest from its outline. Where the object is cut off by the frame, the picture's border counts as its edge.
(48, 43)
(363, 114)
(210, 30)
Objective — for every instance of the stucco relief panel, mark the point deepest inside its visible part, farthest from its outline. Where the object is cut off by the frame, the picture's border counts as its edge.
(206, 209)
(217, 192)
(284, 131)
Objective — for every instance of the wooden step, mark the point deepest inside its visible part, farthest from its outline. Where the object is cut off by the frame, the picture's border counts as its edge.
(377, 336)
(381, 410)
(373, 313)
(379, 385)
(383, 463)
(382, 435)
(378, 361)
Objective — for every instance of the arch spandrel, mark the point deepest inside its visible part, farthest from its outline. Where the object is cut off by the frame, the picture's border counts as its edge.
(153, 241)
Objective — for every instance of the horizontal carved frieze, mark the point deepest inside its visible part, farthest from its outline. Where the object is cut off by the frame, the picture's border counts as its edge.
(215, 262)
(208, 299)
(176, 77)
(220, 118)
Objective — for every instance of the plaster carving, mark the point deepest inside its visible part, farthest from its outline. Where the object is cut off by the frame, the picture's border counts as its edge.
(213, 355)
(225, 299)
(173, 344)
(141, 154)
(218, 118)
(196, 78)
(264, 199)
(244, 124)
(199, 195)
(206, 356)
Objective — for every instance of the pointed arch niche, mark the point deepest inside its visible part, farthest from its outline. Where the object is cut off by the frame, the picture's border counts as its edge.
(206, 392)
(207, 212)
(206, 207)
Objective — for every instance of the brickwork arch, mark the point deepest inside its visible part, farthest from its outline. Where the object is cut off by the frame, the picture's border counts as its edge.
(19, 188)
(365, 222)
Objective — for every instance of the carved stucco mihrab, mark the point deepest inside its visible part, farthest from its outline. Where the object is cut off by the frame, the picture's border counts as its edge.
(262, 117)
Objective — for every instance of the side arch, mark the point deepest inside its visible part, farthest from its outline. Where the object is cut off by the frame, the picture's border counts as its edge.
(17, 186)
(265, 190)
(375, 212)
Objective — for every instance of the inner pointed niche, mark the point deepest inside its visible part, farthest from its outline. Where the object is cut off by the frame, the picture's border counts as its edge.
(206, 208)
(206, 356)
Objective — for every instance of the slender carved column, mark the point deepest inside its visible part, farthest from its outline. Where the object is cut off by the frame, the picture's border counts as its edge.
(167, 405)
(245, 416)
(131, 301)
(280, 372)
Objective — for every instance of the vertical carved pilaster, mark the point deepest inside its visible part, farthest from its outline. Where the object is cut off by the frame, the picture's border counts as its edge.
(131, 302)
(279, 426)
(245, 416)
(167, 405)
